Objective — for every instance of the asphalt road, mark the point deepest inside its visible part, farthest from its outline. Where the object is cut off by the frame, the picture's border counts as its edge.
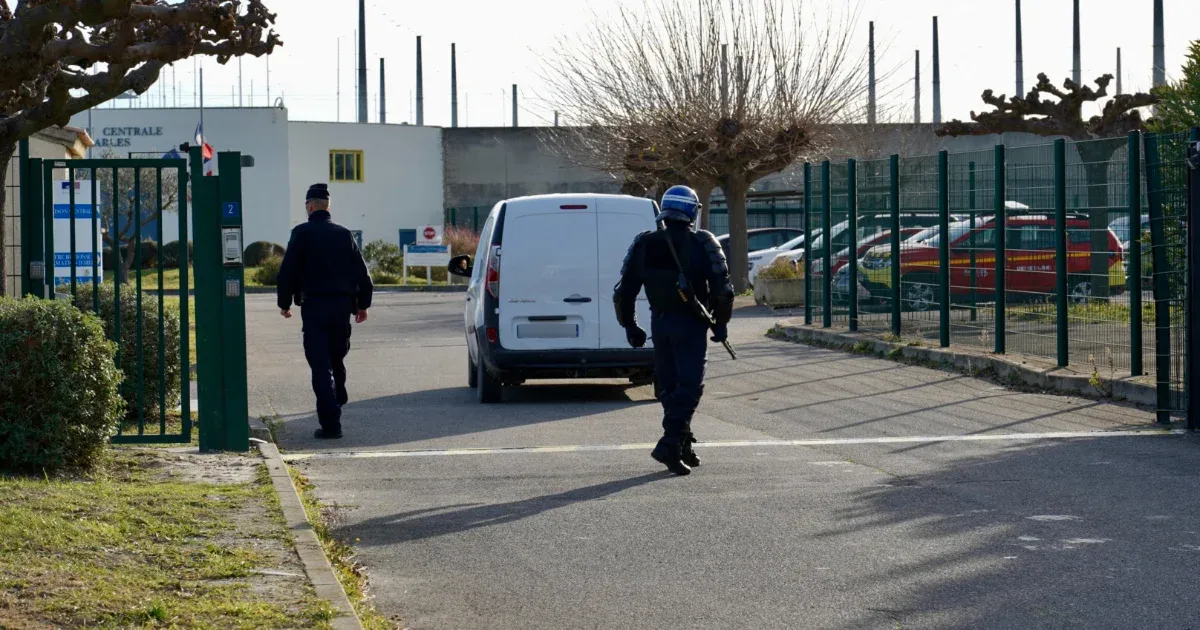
(811, 510)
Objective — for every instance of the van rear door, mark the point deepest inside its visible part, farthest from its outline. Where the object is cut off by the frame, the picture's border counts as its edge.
(618, 221)
(548, 298)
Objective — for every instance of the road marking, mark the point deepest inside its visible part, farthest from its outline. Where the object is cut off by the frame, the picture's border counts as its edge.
(584, 448)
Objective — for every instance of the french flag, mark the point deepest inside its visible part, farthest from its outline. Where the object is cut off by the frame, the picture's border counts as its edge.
(206, 150)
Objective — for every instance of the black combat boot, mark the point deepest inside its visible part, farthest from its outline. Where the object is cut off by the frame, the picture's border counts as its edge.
(689, 456)
(669, 452)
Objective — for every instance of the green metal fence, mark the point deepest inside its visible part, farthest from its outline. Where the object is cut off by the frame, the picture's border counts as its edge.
(1074, 252)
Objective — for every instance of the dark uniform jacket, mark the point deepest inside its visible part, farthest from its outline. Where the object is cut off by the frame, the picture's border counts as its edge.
(323, 261)
(650, 264)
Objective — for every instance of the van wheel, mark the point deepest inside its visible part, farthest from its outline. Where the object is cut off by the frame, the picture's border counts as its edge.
(472, 372)
(488, 387)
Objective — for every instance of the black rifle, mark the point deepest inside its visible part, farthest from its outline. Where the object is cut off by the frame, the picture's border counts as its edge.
(689, 297)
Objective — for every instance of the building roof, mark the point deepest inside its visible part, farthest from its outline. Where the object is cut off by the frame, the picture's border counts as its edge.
(75, 140)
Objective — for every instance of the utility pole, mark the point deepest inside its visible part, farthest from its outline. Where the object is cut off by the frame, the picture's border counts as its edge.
(1076, 70)
(362, 61)
(453, 86)
(514, 99)
(1020, 56)
(917, 91)
(871, 75)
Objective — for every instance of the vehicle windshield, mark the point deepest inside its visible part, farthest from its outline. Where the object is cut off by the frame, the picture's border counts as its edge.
(934, 239)
(795, 243)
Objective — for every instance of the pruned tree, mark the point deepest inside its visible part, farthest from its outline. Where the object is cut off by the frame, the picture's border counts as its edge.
(136, 202)
(62, 57)
(711, 93)
(1098, 138)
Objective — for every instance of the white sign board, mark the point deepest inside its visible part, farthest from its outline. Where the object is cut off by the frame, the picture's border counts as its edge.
(429, 235)
(84, 252)
(427, 256)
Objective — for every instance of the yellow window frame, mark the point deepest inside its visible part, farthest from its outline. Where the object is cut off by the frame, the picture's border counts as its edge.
(358, 161)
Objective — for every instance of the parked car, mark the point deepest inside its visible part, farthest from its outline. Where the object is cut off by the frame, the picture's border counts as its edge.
(1030, 266)
(538, 304)
(763, 238)
(1120, 227)
(762, 258)
(869, 226)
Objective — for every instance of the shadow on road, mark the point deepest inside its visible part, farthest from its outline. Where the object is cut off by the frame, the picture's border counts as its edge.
(1089, 533)
(439, 413)
(421, 524)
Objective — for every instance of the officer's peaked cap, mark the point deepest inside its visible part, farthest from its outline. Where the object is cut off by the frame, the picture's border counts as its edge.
(318, 191)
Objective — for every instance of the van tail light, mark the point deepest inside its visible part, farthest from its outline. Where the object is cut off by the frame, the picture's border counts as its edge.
(493, 273)
(493, 335)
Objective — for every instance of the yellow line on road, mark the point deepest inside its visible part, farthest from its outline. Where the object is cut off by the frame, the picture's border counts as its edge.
(580, 448)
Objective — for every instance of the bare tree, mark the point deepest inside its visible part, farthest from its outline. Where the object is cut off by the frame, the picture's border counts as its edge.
(1064, 117)
(61, 57)
(706, 92)
(132, 207)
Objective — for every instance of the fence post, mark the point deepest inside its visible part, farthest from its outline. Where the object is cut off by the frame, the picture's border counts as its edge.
(807, 237)
(944, 247)
(1193, 294)
(998, 260)
(1135, 253)
(453, 217)
(852, 262)
(1060, 249)
(894, 202)
(971, 238)
(1162, 297)
(826, 218)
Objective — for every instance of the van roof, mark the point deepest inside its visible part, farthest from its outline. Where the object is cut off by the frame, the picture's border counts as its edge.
(575, 197)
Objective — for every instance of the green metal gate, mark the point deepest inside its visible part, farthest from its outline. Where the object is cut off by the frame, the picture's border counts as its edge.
(92, 231)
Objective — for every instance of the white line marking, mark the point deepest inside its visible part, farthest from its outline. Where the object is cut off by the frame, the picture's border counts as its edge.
(291, 457)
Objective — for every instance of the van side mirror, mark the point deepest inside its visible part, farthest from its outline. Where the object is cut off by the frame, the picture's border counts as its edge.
(460, 266)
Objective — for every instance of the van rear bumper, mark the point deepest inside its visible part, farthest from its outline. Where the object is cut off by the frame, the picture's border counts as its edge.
(555, 364)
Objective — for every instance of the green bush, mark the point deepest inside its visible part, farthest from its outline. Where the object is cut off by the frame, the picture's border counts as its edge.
(149, 251)
(384, 277)
(171, 254)
(259, 251)
(384, 256)
(59, 387)
(128, 348)
(267, 273)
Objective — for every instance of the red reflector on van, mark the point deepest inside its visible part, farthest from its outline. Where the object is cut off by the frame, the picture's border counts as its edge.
(573, 207)
(493, 335)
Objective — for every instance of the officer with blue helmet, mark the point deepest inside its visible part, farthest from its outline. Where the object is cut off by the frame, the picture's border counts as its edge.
(676, 265)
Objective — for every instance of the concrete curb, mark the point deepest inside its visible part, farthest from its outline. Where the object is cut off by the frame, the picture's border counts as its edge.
(312, 555)
(259, 430)
(1004, 368)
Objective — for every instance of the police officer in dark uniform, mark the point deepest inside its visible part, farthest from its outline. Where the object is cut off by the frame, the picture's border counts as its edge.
(324, 273)
(697, 266)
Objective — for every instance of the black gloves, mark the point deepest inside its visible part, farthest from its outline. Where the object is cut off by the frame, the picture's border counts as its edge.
(720, 333)
(636, 336)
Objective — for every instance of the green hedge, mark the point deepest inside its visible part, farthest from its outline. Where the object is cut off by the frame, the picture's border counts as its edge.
(171, 254)
(59, 387)
(259, 251)
(149, 355)
(267, 273)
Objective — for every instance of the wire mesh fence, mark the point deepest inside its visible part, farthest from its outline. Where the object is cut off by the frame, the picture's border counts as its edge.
(1072, 252)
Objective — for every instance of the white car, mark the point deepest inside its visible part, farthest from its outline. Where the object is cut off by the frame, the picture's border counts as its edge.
(539, 301)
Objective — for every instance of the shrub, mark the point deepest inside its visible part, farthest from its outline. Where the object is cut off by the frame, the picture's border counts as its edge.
(171, 254)
(384, 277)
(59, 387)
(782, 269)
(267, 273)
(384, 256)
(128, 347)
(259, 251)
(461, 241)
(149, 250)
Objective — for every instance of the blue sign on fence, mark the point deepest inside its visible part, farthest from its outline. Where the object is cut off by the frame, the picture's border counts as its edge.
(232, 209)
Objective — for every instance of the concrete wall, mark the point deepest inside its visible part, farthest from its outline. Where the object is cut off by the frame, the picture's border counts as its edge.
(484, 165)
(403, 182)
(261, 132)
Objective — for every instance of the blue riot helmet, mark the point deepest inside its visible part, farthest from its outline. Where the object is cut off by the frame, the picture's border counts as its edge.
(680, 203)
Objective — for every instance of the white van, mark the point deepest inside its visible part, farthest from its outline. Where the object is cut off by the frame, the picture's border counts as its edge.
(539, 303)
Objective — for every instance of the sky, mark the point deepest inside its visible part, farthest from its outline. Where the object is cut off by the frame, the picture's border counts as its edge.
(501, 43)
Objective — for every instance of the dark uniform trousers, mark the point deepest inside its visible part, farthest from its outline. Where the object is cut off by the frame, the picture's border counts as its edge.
(326, 344)
(680, 355)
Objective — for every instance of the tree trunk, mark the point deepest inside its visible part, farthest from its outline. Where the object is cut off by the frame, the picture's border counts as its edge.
(122, 272)
(6, 154)
(704, 192)
(739, 266)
